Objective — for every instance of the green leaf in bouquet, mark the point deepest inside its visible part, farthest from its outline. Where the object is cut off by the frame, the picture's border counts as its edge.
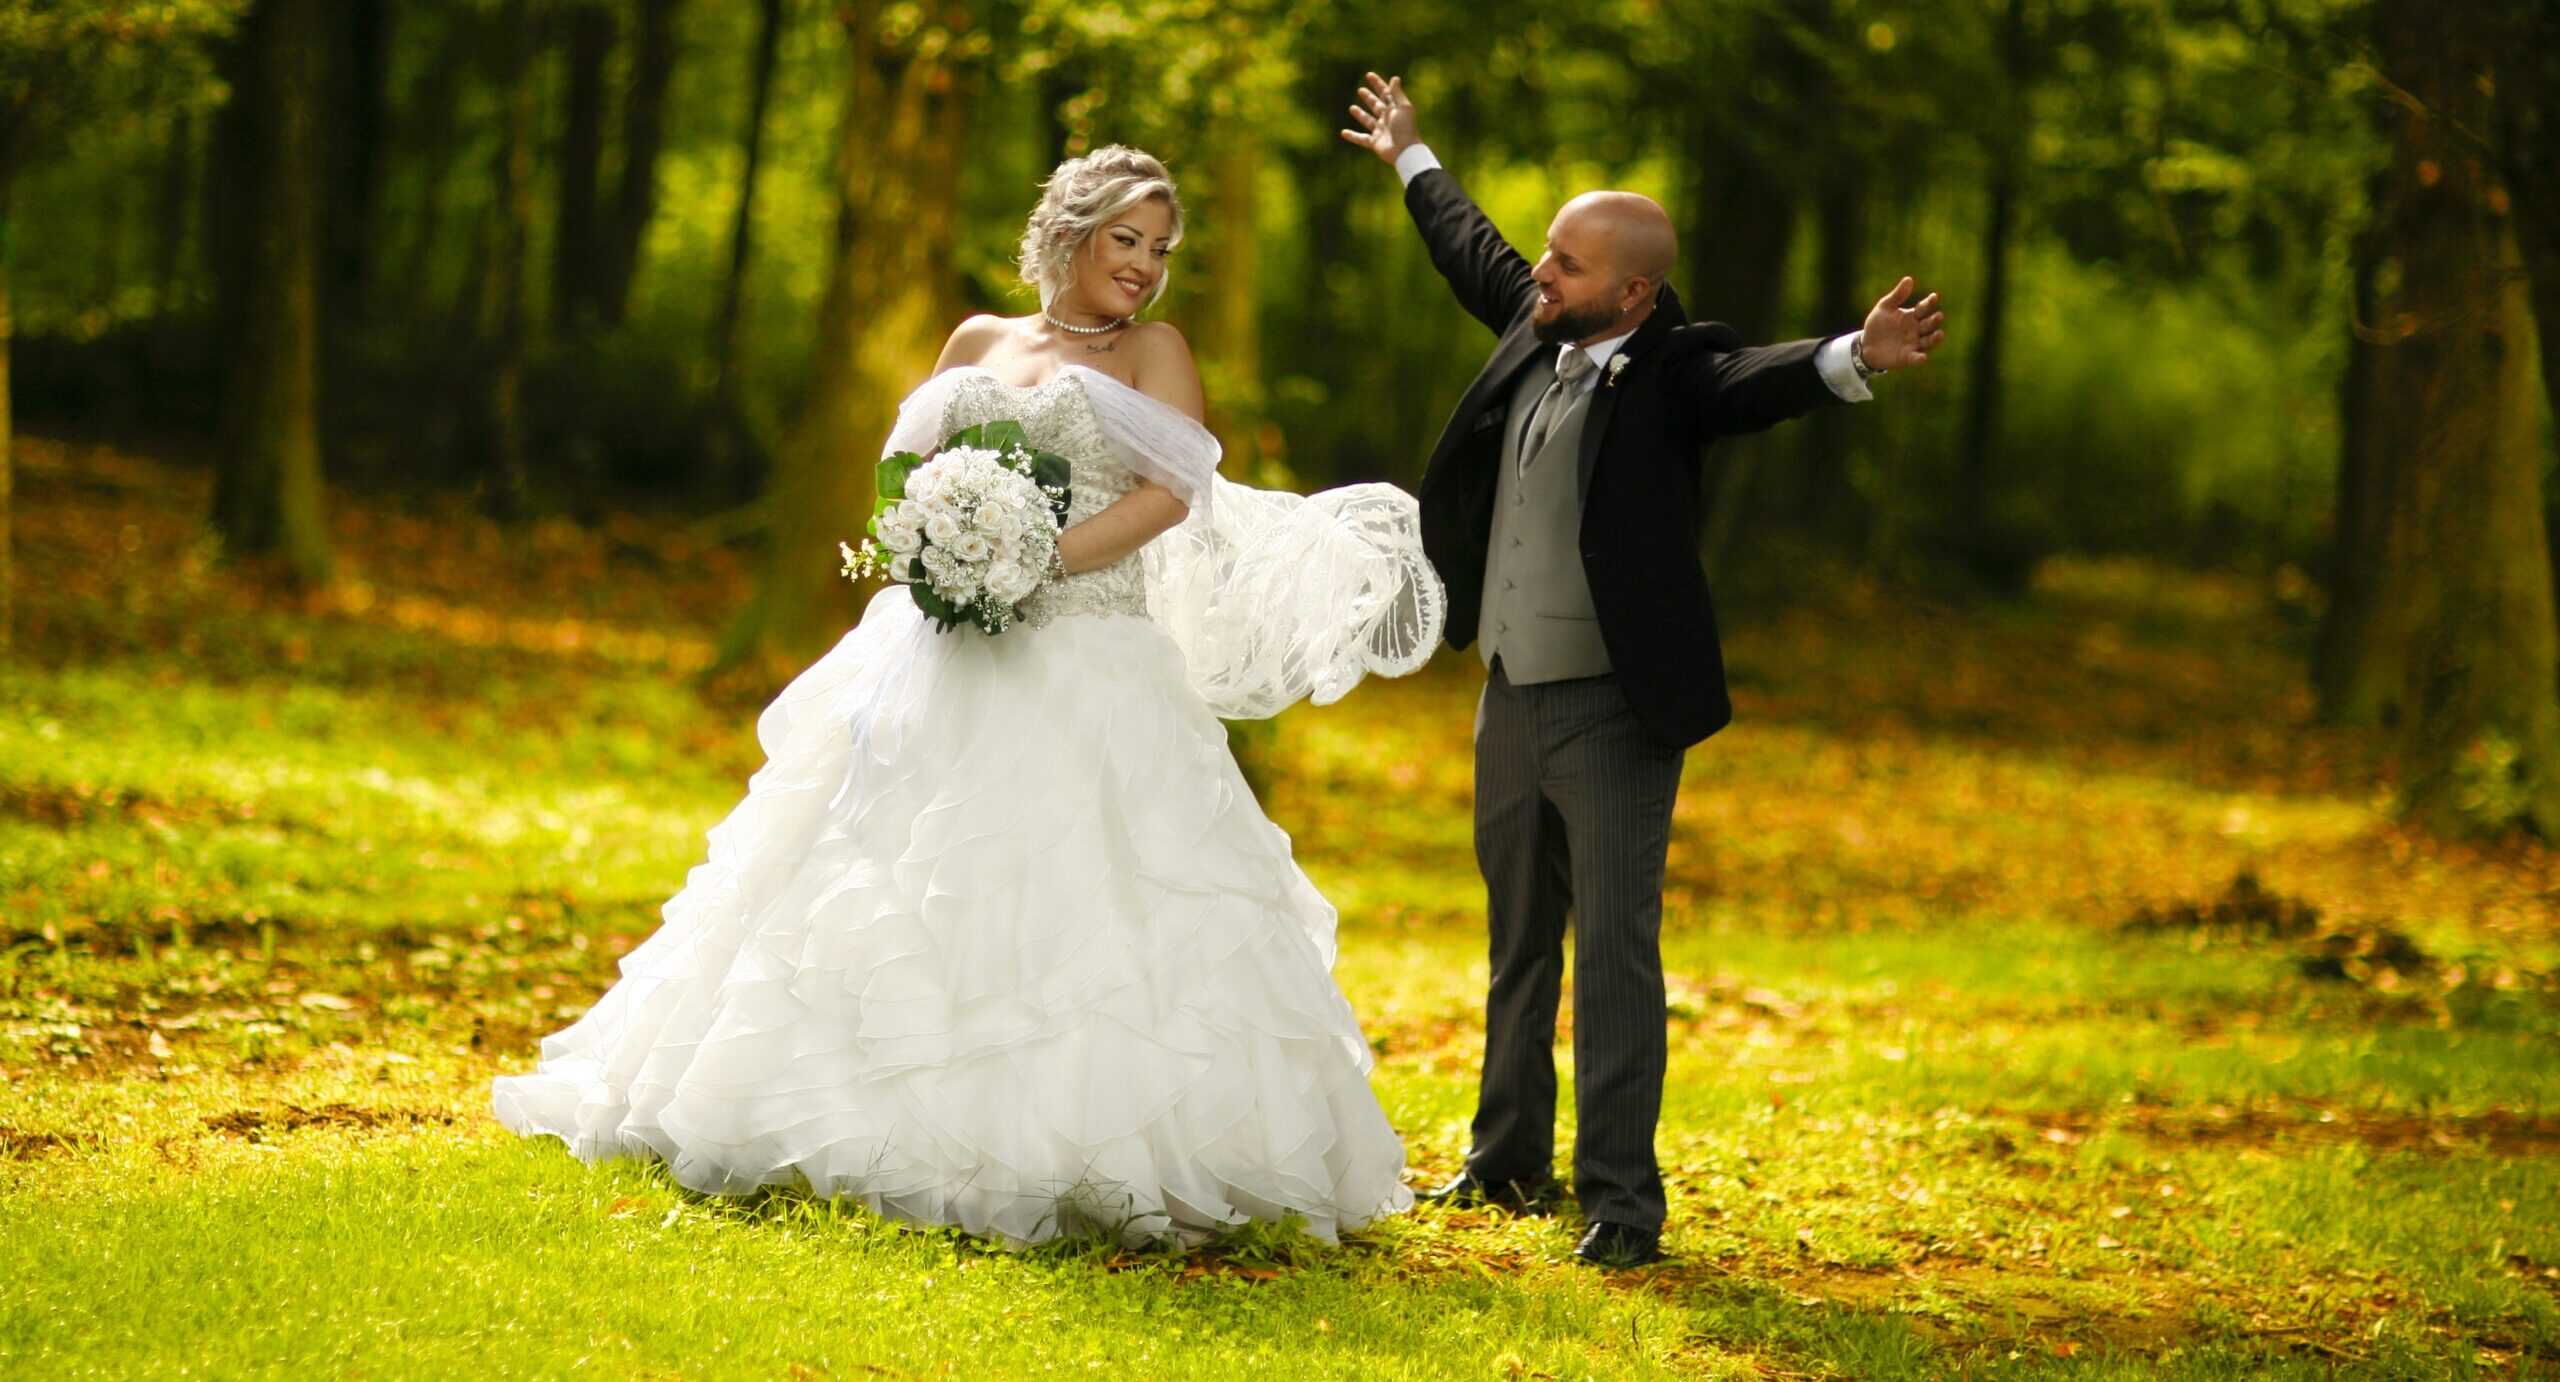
(936, 608)
(1001, 435)
(892, 475)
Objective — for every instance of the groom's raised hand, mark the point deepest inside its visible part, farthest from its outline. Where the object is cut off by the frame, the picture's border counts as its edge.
(1385, 118)
(1899, 337)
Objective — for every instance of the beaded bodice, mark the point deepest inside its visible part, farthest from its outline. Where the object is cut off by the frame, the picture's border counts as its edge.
(1058, 417)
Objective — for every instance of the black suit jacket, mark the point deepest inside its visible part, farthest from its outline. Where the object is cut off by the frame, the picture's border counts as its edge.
(1681, 386)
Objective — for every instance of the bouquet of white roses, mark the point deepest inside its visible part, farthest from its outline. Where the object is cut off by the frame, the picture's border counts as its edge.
(974, 530)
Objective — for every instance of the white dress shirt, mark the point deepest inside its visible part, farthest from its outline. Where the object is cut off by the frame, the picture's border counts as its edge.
(1832, 359)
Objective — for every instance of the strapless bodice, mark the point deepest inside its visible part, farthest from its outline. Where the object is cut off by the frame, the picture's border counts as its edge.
(1058, 416)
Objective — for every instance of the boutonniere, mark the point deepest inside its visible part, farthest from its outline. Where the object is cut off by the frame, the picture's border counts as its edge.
(1617, 366)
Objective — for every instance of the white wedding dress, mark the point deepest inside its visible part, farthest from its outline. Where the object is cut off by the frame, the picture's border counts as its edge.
(999, 938)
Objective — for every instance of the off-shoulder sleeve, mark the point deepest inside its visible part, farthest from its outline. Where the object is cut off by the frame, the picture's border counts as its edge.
(1155, 439)
(919, 425)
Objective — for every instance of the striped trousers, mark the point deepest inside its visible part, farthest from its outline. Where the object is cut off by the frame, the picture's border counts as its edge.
(1573, 815)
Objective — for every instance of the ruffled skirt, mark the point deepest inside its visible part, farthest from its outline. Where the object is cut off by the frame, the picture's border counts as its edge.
(998, 939)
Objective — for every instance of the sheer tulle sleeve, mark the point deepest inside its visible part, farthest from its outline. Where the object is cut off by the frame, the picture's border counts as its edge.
(919, 425)
(1159, 442)
(1275, 597)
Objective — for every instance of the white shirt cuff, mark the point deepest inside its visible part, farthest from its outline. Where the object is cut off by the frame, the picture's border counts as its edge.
(1416, 160)
(1833, 360)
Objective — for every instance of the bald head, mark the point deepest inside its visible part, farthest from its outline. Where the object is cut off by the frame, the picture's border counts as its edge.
(1607, 254)
(1628, 231)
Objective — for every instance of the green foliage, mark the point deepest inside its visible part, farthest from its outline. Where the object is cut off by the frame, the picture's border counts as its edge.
(2158, 417)
(2493, 784)
(64, 63)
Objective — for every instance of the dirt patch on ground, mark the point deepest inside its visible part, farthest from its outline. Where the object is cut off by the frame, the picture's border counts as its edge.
(257, 1125)
(2499, 1132)
(21, 1144)
(64, 805)
(1954, 1304)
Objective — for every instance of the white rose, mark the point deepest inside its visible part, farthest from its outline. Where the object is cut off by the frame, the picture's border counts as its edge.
(898, 531)
(1010, 584)
(941, 526)
(971, 547)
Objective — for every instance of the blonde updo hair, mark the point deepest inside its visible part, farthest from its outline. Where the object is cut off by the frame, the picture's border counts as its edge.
(1080, 197)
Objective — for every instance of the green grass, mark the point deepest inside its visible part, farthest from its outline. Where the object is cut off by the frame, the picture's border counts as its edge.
(286, 882)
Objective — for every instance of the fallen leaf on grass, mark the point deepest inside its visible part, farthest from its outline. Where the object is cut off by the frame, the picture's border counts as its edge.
(330, 1001)
(625, 1207)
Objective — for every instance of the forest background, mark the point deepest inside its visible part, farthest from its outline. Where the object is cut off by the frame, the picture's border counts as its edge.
(2120, 935)
(2235, 280)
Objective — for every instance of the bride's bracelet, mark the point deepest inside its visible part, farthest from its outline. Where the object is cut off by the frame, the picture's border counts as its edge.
(1057, 564)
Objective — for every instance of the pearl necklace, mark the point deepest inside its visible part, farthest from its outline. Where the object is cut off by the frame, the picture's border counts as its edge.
(1113, 325)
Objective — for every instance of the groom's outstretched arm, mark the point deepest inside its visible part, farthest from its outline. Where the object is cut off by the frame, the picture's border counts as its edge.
(1488, 275)
(1727, 387)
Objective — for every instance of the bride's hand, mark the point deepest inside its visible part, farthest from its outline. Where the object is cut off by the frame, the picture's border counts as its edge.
(1385, 117)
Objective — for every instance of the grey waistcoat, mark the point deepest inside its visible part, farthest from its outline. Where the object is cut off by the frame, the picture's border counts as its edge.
(1537, 610)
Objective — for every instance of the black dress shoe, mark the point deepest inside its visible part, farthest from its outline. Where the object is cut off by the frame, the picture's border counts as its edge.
(1519, 1196)
(1619, 1245)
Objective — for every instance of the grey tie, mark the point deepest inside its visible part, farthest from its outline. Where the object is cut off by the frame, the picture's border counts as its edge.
(1570, 370)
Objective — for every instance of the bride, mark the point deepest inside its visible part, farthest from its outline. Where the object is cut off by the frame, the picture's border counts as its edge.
(998, 937)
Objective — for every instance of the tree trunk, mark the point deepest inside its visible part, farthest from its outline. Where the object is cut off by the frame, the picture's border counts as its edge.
(511, 488)
(105, 250)
(176, 193)
(438, 93)
(880, 322)
(574, 240)
(1230, 321)
(1828, 505)
(728, 437)
(1746, 209)
(1346, 439)
(359, 82)
(2480, 729)
(644, 108)
(8, 437)
(2526, 139)
(1978, 447)
(2363, 643)
(267, 497)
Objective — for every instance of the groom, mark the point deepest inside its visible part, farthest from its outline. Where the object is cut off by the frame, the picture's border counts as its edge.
(1560, 508)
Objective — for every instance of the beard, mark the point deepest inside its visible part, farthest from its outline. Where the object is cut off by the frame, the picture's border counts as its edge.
(1576, 323)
